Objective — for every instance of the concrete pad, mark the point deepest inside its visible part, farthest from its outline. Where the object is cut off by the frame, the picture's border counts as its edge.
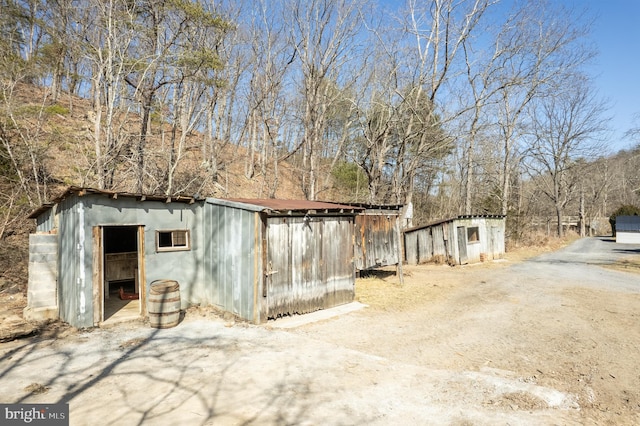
(299, 320)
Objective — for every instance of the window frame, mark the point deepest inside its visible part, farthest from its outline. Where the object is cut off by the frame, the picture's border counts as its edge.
(470, 233)
(173, 246)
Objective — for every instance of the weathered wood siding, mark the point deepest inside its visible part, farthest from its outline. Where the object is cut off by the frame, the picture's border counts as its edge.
(429, 244)
(248, 259)
(441, 241)
(411, 253)
(425, 242)
(309, 264)
(377, 240)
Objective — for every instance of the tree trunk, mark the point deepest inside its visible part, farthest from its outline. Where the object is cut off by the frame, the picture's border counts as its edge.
(582, 216)
(144, 126)
(559, 218)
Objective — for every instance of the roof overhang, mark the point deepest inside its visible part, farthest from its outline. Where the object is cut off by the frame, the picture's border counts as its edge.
(82, 191)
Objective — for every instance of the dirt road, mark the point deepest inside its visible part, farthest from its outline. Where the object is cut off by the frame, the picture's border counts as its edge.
(553, 340)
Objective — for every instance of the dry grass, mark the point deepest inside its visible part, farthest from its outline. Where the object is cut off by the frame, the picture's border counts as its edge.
(382, 290)
(630, 264)
(424, 283)
(536, 243)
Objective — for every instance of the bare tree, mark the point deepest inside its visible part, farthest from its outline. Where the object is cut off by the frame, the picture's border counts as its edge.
(271, 61)
(23, 132)
(106, 49)
(543, 49)
(438, 31)
(567, 129)
(324, 35)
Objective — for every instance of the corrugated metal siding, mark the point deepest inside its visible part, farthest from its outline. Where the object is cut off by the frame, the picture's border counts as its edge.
(376, 240)
(74, 291)
(309, 264)
(46, 221)
(627, 224)
(230, 255)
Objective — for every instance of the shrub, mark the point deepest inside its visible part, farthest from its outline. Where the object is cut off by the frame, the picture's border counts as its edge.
(56, 109)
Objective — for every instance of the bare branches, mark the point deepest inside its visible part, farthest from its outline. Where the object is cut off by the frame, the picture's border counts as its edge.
(566, 131)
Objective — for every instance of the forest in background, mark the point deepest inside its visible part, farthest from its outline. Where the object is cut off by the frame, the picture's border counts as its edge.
(455, 106)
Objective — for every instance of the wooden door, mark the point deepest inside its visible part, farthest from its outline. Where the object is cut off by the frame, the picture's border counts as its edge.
(462, 245)
(309, 264)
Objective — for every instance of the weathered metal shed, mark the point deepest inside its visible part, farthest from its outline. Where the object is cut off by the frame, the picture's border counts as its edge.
(628, 229)
(460, 240)
(257, 259)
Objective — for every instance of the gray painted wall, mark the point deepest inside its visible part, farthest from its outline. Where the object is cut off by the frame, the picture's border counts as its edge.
(76, 218)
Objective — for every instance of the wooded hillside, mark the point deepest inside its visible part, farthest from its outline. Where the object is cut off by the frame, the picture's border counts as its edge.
(457, 107)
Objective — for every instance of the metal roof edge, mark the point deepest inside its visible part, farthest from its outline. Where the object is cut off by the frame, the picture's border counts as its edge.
(235, 204)
(485, 216)
(82, 191)
(371, 206)
(451, 219)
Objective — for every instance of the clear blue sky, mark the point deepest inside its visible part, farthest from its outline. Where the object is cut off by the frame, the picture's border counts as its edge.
(616, 33)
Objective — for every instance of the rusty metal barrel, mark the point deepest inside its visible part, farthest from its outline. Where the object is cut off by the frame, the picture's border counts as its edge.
(163, 304)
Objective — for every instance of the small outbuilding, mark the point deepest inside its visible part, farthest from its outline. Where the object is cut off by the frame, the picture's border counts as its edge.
(457, 241)
(628, 229)
(257, 259)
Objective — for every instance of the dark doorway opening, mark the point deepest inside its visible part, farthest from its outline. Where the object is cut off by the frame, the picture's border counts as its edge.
(121, 286)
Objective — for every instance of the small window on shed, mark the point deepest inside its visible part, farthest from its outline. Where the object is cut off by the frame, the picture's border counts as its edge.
(473, 235)
(172, 240)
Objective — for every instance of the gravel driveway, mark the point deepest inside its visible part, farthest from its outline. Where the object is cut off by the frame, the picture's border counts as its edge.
(552, 340)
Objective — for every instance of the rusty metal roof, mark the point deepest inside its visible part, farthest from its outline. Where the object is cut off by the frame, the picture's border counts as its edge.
(286, 206)
(376, 209)
(80, 191)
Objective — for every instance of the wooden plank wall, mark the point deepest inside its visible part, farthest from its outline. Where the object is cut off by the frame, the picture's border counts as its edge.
(377, 242)
(310, 264)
